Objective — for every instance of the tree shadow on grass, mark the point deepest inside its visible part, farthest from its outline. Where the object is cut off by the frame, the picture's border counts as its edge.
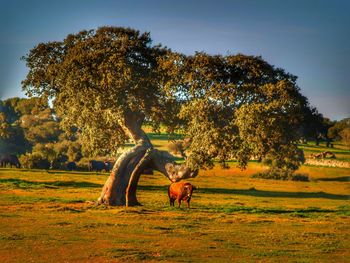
(304, 212)
(22, 170)
(19, 183)
(335, 179)
(162, 188)
(254, 192)
(79, 172)
(263, 193)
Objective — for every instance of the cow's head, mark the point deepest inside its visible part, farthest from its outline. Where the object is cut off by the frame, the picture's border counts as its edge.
(188, 188)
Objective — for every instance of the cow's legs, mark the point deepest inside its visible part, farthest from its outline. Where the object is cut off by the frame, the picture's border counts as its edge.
(179, 202)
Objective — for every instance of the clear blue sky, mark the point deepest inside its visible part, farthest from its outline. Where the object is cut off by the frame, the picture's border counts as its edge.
(310, 39)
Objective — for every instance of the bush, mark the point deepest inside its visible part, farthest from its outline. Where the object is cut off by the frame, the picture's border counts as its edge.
(273, 174)
(281, 175)
(345, 135)
(34, 160)
(300, 177)
(284, 161)
(83, 164)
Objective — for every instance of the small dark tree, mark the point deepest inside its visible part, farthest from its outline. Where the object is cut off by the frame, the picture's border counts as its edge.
(334, 132)
(108, 82)
(12, 136)
(345, 135)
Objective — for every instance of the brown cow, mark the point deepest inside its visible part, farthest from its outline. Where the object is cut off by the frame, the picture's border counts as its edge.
(180, 191)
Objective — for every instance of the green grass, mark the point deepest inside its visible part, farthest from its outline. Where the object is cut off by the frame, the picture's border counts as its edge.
(25, 184)
(51, 217)
(340, 151)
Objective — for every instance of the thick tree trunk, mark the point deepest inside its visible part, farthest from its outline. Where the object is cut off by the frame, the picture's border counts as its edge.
(120, 188)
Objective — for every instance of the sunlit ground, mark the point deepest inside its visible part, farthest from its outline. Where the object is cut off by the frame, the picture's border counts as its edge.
(48, 217)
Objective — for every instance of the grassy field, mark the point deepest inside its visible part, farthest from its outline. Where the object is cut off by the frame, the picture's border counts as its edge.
(49, 217)
(340, 151)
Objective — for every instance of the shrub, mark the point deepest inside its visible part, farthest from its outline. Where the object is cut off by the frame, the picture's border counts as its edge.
(34, 160)
(285, 160)
(345, 135)
(300, 177)
(275, 174)
(83, 164)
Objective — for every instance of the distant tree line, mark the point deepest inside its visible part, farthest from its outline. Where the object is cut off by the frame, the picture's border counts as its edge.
(319, 129)
(29, 128)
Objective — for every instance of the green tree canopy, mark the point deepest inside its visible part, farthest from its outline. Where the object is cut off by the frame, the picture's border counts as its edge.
(335, 131)
(12, 137)
(97, 78)
(108, 82)
(237, 107)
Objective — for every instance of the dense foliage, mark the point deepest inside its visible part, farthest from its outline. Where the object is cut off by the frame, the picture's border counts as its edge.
(233, 106)
(335, 131)
(30, 127)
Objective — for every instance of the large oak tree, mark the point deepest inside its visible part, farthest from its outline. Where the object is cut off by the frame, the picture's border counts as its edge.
(109, 81)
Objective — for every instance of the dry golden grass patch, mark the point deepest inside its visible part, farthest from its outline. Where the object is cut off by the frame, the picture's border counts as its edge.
(51, 217)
